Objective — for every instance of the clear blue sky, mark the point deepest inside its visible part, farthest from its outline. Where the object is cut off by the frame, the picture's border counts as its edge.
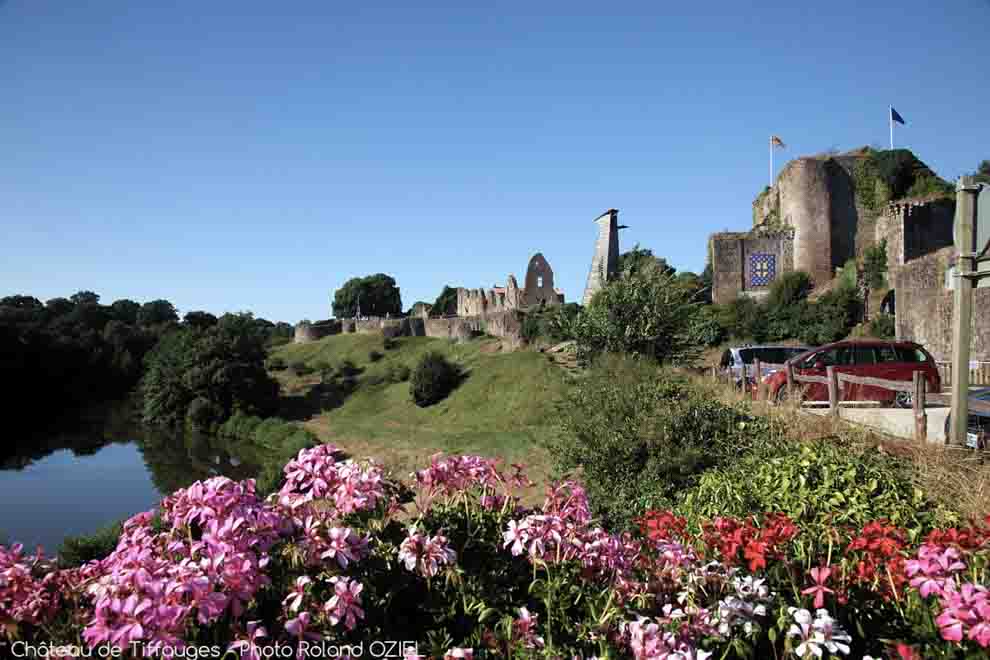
(253, 156)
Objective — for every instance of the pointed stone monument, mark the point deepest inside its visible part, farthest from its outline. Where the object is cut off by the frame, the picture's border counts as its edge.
(605, 263)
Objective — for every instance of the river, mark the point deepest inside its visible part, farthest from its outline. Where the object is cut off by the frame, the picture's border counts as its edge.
(95, 470)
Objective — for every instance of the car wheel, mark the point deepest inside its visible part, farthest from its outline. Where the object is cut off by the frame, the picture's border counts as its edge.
(904, 400)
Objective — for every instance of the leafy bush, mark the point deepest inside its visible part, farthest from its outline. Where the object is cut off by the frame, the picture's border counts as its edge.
(374, 356)
(348, 369)
(788, 290)
(707, 329)
(276, 363)
(875, 265)
(831, 317)
(77, 550)
(818, 486)
(647, 315)
(273, 441)
(389, 343)
(882, 326)
(397, 373)
(204, 414)
(300, 368)
(433, 379)
(641, 435)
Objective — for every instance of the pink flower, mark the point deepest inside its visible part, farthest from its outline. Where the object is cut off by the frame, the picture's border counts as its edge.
(459, 654)
(425, 555)
(514, 536)
(820, 576)
(249, 648)
(294, 600)
(345, 606)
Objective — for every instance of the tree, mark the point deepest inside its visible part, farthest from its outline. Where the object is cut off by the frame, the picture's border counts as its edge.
(21, 302)
(199, 319)
(58, 307)
(982, 173)
(638, 261)
(373, 295)
(647, 315)
(202, 377)
(446, 302)
(85, 298)
(157, 312)
(125, 311)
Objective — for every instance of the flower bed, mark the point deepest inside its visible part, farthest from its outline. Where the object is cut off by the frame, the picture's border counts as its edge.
(344, 555)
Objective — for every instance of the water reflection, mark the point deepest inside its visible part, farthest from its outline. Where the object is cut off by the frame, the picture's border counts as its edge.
(76, 479)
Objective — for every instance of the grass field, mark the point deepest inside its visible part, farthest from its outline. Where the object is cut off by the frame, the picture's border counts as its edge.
(501, 409)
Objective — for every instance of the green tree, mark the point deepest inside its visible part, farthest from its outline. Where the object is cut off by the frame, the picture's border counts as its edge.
(199, 319)
(59, 306)
(639, 261)
(157, 312)
(125, 310)
(982, 173)
(85, 298)
(646, 315)
(202, 377)
(446, 302)
(21, 302)
(377, 295)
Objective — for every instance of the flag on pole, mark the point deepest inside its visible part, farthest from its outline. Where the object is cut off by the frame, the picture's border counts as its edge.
(777, 142)
(895, 116)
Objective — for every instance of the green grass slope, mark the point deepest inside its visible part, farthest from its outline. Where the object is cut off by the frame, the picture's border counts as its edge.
(500, 409)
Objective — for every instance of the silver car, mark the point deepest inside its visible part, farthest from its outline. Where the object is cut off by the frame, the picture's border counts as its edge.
(734, 357)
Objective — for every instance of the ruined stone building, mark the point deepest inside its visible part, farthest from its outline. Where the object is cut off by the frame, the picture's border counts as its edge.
(538, 290)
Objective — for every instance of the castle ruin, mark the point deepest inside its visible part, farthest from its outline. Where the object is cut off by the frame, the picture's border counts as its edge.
(605, 262)
(539, 290)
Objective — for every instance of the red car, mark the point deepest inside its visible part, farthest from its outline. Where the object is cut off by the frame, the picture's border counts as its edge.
(890, 360)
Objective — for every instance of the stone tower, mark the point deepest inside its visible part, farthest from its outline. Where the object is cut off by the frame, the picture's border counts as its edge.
(605, 263)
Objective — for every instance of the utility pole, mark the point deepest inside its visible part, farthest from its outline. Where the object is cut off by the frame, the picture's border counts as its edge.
(962, 311)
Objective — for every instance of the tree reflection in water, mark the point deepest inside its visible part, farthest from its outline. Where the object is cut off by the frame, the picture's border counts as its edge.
(174, 459)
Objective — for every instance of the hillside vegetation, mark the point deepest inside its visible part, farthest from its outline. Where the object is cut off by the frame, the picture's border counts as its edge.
(499, 410)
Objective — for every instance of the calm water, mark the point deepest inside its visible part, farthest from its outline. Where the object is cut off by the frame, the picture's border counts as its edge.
(75, 481)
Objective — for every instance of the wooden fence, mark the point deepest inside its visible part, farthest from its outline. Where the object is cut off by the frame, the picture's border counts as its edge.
(834, 380)
(979, 373)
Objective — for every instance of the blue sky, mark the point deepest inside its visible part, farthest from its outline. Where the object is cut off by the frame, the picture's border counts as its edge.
(253, 156)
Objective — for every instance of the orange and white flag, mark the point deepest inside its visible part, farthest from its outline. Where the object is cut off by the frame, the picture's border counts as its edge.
(777, 142)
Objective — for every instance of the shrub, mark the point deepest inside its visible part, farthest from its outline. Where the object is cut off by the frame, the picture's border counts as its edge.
(819, 486)
(300, 368)
(325, 370)
(707, 329)
(397, 373)
(77, 550)
(375, 356)
(389, 343)
(647, 315)
(789, 289)
(277, 363)
(433, 379)
(875, 265)
(641, 435)
(348, 369)
(882, 326)
(831, 317)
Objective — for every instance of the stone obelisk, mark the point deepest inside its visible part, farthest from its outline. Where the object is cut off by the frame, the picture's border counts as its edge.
(605, 263)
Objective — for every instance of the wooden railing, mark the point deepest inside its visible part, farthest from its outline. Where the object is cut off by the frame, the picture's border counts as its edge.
(979, 373)
(834, 380)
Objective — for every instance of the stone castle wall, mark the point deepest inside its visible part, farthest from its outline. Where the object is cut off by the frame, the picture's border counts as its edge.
(505, 324)
(730, 255)
(913, 229)
(539, 290)
(925, 305)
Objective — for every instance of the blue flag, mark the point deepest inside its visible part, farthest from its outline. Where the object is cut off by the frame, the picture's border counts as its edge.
(895, 117)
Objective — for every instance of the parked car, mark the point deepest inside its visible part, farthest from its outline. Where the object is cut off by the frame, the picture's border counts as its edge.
(978, 426)
(890, 360)
(733, 358)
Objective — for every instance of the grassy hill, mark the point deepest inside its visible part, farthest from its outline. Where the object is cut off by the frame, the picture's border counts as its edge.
(499, 410)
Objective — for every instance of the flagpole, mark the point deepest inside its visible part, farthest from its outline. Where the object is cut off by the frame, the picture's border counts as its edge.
(771, 161)
(890, 118)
